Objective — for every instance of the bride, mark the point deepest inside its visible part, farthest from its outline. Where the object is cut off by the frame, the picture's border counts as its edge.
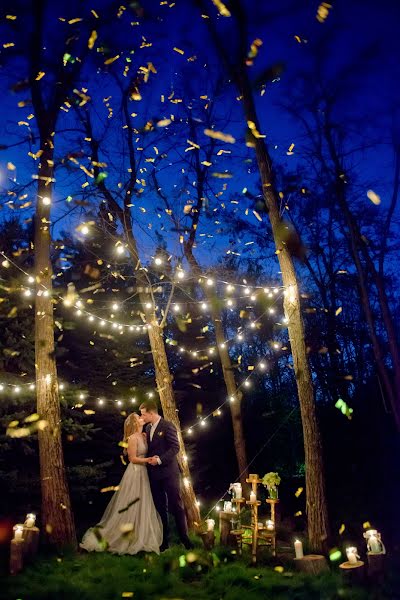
(130, 523)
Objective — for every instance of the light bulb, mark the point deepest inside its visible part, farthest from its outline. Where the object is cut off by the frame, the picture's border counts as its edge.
(27, 293)
(31, 279)
(85, 230)
(180, 274)
(246, 291)
(210, 282)
(247, 383)
(271, 311)
(204, 306)
(46, 201)
(101, 402)
(230, 288)
(148, 305)
(120, 250)
(158, 261)
(229, 302)
(177, 308)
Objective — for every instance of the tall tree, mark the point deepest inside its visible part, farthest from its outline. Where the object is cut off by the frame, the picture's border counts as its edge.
(237, 62)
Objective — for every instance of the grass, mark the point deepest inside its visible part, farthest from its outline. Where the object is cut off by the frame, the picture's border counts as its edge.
(174, 575)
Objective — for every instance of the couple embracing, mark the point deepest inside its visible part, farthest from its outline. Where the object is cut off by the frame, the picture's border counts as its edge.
(136, 519)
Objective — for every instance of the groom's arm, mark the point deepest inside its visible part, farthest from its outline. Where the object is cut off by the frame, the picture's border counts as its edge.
(172, 443)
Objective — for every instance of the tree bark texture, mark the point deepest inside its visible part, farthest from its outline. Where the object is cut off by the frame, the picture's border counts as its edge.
(317, 512)
(168, 403)
(57, 517)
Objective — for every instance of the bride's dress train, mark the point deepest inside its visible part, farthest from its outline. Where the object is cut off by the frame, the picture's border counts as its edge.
(130, 523)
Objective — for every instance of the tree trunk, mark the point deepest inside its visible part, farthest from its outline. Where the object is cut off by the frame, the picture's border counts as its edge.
(317, 512)
(168, 403)
(355, 243)
(227, 369)
(57, 517)
(235, 398)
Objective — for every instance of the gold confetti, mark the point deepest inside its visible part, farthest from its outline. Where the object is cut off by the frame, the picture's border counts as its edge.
(92, 39)
(338, 310)
(342, 528)
(109, 61)
(222, 9)
(218, 135)
(179, 51)
(73, 21)
(373, 196)
(298, 492)
(40, 75)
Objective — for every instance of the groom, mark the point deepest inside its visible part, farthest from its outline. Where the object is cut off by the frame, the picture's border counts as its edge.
(164, 474)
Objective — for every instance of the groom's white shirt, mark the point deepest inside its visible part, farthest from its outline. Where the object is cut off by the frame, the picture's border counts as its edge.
(153, 428)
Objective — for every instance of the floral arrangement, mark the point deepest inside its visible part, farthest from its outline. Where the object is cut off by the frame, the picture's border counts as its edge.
(271, 481)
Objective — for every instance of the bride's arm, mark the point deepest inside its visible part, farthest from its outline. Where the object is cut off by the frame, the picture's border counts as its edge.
(132, 452)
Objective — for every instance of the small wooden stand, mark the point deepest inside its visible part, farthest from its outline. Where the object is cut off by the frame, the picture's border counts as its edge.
(312, 564)
(31, 542)
(353, 572)
(16, 556)
(208, 538)
(376, 566)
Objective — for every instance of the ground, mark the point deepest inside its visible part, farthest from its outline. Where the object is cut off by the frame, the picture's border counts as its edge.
(176, 575)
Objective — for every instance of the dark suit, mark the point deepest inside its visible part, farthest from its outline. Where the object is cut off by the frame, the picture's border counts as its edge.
(165, 480)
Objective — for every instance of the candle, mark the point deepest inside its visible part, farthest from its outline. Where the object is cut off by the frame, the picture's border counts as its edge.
(374, 544)
(260, 525)
(210, 524)
(227, 506)
(351, 555)
(18, 532)
(253, 497)
(270, 525)
(30, 520)
(298, 548)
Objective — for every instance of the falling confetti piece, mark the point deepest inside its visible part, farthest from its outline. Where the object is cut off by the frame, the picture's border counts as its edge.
(40, 75)
(366, 525)
(342, 528)
(338, 310)
(298, 492)
(222, 9)
(218, 135)
(179, 51)
(334, 554)
(373, 196)
(109, 61)
(92, 39)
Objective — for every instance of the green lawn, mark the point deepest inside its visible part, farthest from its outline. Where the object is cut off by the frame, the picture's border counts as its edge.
(173, 575)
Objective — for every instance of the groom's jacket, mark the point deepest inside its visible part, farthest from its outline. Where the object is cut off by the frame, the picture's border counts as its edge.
(164, 444)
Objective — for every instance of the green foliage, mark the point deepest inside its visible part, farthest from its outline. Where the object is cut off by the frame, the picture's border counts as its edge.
(174, 574)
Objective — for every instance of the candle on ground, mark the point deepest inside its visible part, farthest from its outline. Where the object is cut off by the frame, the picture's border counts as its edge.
(210, 524)
(18, 532)
(298, 548)
(351, 555)
(30, 520)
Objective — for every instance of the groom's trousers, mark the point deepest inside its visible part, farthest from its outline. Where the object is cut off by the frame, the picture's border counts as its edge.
(167, 499)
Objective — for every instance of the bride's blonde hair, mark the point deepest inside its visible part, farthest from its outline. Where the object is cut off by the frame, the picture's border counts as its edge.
(131, 425)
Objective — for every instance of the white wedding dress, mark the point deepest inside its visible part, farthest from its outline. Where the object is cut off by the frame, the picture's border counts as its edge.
(128, 526)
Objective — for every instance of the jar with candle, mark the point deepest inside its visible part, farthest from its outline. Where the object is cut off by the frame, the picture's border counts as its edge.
(352, 556)
(236, 489)
(18, 532)
(228, 506)
(270, 525)
(30, 520)
(374, 542)
(210, 523)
